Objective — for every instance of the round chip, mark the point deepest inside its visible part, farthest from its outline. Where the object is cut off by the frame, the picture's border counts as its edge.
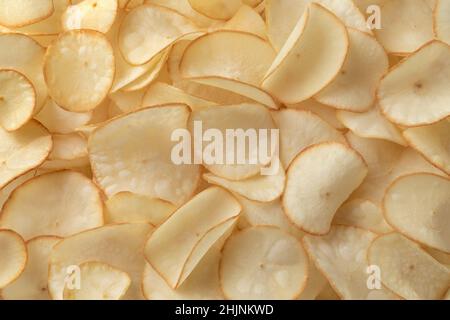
(415, 92)
(17, 13)
(79, 70)
(148, 29)
(23, 150)
(216, 9)
(98, 15)
(319, 180)
(441, 22)
(418, 205)
(248, 20)
(263, 263)
(21, 53)
(17, 99)
(13, 258)
(119, 245)
(59, 203)
(355, 86)
(133, 153)
(99, 281)
(32, 283)
(407, 269)
(299, 72)
(327, 113)
(69, 151)
(433, 142)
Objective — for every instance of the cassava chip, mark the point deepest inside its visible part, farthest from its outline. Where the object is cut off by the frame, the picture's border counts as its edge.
(79, 69)
(442, 22)
(299, 72)
(96, 15)
(408, 270)
(319, 180)
(248, 20)
(59, 203)
(216, 9)
(327, 113)
(263, 263)
(17, 13)
(177, 246)
(99, 281)
(13, 258)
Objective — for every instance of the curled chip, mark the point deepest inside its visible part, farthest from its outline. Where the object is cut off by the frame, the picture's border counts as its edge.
(13, 258)
(442, 23)
(17, 99)
(407, 269)
(96, 15)
(319, 180)
(263, 263)
(298, 72)
(216, 9)
(17, 13)
(418, 205)
(99, 281)
(80, 62)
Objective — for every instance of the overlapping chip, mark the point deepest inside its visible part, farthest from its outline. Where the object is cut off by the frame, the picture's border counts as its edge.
(13, 258)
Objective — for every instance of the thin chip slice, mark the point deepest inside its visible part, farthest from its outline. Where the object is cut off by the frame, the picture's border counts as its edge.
(117, 245)
(58, 120)
(7, 189)
(147, 30)
(127, 207)
(122, 160)
(98, 15)
(433, 142)
(99, 281)
(32, 283)
(300, 129)
(17, 13)
(23, 150)
(315, 284)
(59, 203)
(415, 92)
(319, 180)
(371, 124)
(177, 246)
(216, 9)
(263, 263)
(80, 61)
(247, 121)
(17, 99)
(440, 256)
(363, 214)
(341, 257)
(69, 151)
(299, 72)
(418, 205)
(13, 258)
(264, 188)
(406, 25)
(327, 113)
(442, 23)
(128, 101)
(354, 89)
(408, 270)
(21, 53)
(247, 19)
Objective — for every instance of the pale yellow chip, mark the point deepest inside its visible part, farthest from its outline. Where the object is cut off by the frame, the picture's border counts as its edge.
(300, 129)
(147, 30)
(23, 54)
(327, 113)
(99, 281)
(406, 25)
(216, 9)
(355, 86)
(433, 142)
(17, 99)
(98, 15)
(298, 72)
(17, 13)
(59, 203)
(415, 92)
(32, 283)
(79, 70)
(127, 207)
(418, 205)
(315, 284)
(263, 263)
(176, 247)
(248, 20)
(363, 214)
(441, 20)
(23, 150)
(408, 270)
(118, 245)
(13, 258)
(7, 189)
(319, 180)
(69, 151)
(341, 257)
(122, 160)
